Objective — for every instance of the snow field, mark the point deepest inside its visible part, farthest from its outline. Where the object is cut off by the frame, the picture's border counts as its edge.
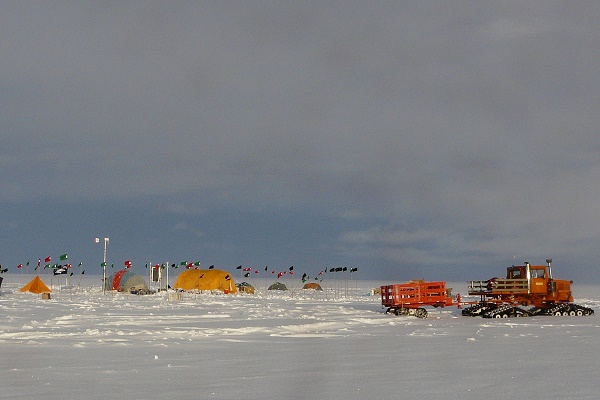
(282, 345)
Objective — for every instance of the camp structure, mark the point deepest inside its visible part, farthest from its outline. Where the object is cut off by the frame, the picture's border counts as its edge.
(245, 287)
(205, 279)
(313, 286)
(278, 286)
(126, 281)
(37, 286)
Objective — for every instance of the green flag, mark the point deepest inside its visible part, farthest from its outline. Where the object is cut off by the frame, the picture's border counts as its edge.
(64, 257)
(103, 264)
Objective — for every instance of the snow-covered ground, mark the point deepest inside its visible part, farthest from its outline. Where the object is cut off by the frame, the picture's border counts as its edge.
(338, 344)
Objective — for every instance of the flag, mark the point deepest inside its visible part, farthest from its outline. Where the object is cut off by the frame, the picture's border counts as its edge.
(27, 263)
(256, 271)
(127, 263)
(247, 269)
(239, 267)
(189, 266)
(174, 266)
(20, 266)
(267, 267)
(211, 267)
(39, 261)
(292, 268)
(60, 271)
(353, 269)
(47, 259)
(64, 257)
(197, 263)
(103, 264)
(183, 263)
(247, 274)
(112, 265)
(279, 275)
(80, 263)
(97, 240)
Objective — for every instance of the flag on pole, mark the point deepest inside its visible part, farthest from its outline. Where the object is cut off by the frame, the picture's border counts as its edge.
(211, 267)
(20, 266)
(239, 267)
(60, 271)
(47, 259)
(127, 263)
(97, 240)
(197, 263)
(103, 264)
(64, 257)
(80, 263)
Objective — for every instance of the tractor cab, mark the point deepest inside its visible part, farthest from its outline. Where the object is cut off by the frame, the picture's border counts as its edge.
(536, 277)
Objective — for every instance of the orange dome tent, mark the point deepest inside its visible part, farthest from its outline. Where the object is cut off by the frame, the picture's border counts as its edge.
(205, 279)
(37, 286)
(313, 286)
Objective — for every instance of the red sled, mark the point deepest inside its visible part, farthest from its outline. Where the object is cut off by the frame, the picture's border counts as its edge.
(410, 298)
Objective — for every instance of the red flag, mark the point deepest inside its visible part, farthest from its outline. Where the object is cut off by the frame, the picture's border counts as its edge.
(20, 266)
(256, 272)
(157, 266)
(189, 266)
(47, 259)
(39, 261)
(127, 263)
(279, 274)
(247, 269)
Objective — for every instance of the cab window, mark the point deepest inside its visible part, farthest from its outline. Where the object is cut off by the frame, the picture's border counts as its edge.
(537, 273)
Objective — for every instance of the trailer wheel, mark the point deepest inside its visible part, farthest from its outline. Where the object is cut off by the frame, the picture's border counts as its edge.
(579, 313)
(557, 314)
(572, 313)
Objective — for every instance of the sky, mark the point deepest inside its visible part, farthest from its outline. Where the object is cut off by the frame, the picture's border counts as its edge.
(434, 140)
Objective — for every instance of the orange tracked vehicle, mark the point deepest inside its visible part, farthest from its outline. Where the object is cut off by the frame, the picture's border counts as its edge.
(527, 290)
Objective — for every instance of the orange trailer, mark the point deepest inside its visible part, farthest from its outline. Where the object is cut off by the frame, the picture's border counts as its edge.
(409, 298)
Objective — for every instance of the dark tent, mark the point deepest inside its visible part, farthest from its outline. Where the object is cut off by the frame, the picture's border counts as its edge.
(245, 287)
(278, 286)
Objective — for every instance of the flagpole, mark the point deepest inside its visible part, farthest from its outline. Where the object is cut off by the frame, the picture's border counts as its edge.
(106, 240)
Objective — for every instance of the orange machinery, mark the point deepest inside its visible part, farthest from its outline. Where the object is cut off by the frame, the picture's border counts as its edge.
(526, 291)
(409, 298)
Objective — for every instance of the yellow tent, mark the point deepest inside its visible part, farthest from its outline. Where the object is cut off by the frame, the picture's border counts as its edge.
(205, 279)
(36, 285)
(313, 286)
